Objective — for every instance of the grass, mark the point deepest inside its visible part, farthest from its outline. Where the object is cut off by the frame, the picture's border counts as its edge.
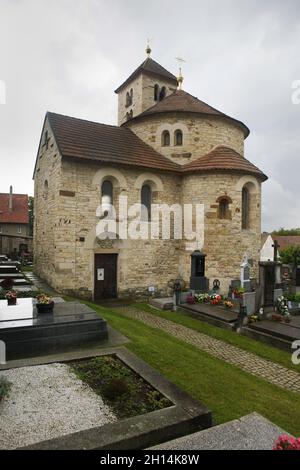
(260, 349)
(120, 387)
(228, 391)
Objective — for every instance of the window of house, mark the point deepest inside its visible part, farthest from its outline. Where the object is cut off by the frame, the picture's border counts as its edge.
(162, 93)
(0, 229)
(146, 199)
(165, 140)
(178, 137)
(245, 208)
(156, 92)
(19, 229)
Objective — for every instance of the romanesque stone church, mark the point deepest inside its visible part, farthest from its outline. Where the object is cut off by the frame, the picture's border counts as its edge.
(170, 148)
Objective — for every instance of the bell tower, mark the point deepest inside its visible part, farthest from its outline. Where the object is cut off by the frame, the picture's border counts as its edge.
(145, 87)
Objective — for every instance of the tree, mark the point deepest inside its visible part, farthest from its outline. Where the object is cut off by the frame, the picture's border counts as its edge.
(283, 231)
(31, 214)
(290, 255)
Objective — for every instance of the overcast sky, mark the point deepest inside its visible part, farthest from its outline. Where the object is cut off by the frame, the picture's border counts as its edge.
(242, 57)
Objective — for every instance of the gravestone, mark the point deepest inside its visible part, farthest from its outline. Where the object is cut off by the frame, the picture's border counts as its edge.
(245, 274)
(198, 281)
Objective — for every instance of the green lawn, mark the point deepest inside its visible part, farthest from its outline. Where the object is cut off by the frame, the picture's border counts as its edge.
(263, 350)
(228, 391)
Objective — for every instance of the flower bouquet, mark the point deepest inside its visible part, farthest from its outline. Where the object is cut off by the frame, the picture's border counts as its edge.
(228, 304)
(202, 298)
(285, 442)
(190, 299)
(11, 297)
(215, 299)
(44, 304)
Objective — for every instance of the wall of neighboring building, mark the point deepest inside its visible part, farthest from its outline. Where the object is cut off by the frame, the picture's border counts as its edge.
(10, 245)
(200, 134)
(225, 242)
(14, 229)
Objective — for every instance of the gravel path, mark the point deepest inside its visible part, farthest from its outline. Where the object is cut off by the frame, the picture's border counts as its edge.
(45, 402)
(247, 361)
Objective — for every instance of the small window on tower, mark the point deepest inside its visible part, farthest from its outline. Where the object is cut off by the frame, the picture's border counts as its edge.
(178, 137)
(165, 139)
(46, 140)
(156, 92)
(162, 93)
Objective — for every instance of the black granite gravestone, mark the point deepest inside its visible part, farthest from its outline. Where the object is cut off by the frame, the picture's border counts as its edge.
(198, 281)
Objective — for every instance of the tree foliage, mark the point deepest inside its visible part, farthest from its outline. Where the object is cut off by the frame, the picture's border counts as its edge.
(290, 255)
(284, 231)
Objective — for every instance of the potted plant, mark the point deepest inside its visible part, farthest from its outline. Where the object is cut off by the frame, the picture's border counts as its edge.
(282, 310)
(44, 304)
(238, 292)
(11, 297)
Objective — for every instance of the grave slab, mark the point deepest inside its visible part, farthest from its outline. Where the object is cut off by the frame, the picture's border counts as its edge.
(162, 304)
(252, 432)
(26, 333)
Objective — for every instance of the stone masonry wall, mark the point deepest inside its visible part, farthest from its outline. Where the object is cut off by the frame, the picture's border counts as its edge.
(225, 243)
(143, 95)
(200, 134)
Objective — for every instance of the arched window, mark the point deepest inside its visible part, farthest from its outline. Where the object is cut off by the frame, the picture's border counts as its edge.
(156, 92)
(146, 199)
(245, 208)
(162, 93)
(178, 137)
(107, 197)
(165, 139)
(223, 208)
(129, 115)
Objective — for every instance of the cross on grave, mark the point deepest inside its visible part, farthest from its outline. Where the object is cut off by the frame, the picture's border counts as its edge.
(276, 247)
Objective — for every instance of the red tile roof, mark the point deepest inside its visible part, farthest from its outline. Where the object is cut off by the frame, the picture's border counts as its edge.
(149, 67)
(19, 213)
(84, 140)
(80, 139)
(286, 240)
(180, 101)
(223, 158)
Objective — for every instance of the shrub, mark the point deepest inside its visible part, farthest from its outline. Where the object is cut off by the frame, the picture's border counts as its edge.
(297, 297)
(5, 387)
(115, 388)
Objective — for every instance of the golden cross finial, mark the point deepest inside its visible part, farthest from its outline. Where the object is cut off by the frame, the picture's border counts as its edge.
(148, 48)
(180, 76)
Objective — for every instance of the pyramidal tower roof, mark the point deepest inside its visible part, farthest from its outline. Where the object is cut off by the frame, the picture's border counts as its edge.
(150, 67)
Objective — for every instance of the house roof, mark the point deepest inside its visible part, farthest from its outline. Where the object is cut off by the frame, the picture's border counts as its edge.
(223, 158)
(149, 67)
(182, 102)
(287, 240)
(80, 139)
(19, 213)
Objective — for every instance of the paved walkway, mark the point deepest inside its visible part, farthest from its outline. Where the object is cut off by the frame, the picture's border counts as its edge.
(40, 284)
(247, 361)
